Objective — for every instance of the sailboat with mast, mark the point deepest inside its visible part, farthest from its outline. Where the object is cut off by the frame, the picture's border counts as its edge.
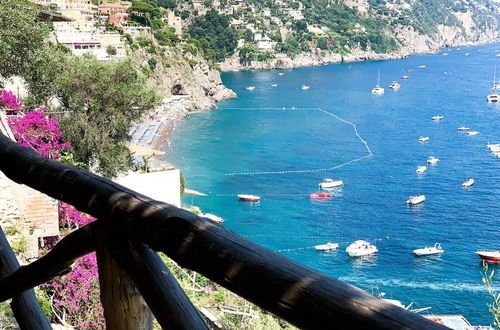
(377, 90)
(494, 97)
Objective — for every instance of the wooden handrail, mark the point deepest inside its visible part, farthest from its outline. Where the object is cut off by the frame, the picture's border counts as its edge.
(298, 294)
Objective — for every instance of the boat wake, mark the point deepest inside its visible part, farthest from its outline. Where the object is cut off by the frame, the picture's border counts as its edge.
(363, 141)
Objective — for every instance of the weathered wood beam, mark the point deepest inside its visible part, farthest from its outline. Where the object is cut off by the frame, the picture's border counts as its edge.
(164, 296)
(299, 294)
(25, 307)
(55, 263)
(124, 308)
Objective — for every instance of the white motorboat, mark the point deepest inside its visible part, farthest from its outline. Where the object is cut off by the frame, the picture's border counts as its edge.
(274, 85)
(429, 250)
(493, 97)
(329, 183)
(377, 90)
(467, 183)
(250, 88)
(213, 217)
(467, 54)
(421, 169)
(493, 146)
(445, 54)
(361, 248)
(405, 77)
(489, 256)
(413, 200)
(432, 160)
(472, 133)
(463, 128)
(248, 198)
(395, 85)
(304, 87)
(422, 66)
(327, 246)
(423, 138)
(281, 73)
(437, 117)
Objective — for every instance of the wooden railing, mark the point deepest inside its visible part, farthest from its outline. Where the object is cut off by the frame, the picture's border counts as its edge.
(130, 227)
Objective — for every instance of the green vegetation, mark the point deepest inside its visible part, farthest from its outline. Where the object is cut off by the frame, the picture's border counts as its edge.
(215, 30)
(494, 307)
(427, 14)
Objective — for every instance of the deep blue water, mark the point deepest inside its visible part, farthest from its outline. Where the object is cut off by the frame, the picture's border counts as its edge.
(209, 145)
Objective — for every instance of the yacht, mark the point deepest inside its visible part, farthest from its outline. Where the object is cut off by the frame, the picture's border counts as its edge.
(395, 85)
(422, 66)
(445, 54)
(250, 88)
(405, 77)
(494, 97)
(421, 169)
(489, 256)
(281, 73)
(437, 117)
(377, 90)
(467, 54)
(360, 248)
(248, 198)
(327, 246)
(429, 250)
(432, 160)
(413, 200)
(472, 133)
(304, 87)
(463, 128)
(493, 145)
(274, 85)
(468, 183)
(423, 138)
(329, 183)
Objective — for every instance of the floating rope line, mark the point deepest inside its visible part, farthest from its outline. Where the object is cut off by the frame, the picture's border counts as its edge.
(340, 242)
(363, 141)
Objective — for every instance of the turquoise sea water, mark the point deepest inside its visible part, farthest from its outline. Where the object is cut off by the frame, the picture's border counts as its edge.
(288, 152)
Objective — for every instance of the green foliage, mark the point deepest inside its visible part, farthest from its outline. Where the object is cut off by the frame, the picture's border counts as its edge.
(145, 13)
(166, 36)
(216, 30)
(110, 50)
(103, 99)
(152, 63)
(182, 183)
(427, 14)
(21, 37)
(494, 307)
(7, 320)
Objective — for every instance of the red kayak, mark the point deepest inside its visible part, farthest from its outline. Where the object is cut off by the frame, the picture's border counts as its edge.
(320, 195)
(489, 256)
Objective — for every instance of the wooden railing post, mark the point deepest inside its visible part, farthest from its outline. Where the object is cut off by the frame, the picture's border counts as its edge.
(124, 307)
(25, 307)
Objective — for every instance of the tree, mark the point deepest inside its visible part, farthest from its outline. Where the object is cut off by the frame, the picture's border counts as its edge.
(21, 36)
(103, 100)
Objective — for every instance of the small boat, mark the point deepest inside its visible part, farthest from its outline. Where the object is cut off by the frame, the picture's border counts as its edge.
(463, 128)
(493, 146)
(432, 160)
(274, 85)
(468, 183)
(493, 97)
(413, 200)
(377, 90)
(326, 247)
(445, 54)
(320, 195)
(422, 66)
(305, 87)
(423, 138)
(213, 217)
(409, 70)
(421, 169)
(467, 54)
(281, 73)
(437, 117)
(472, 133)
(250, 88)
(429, 250)
(329, 183)
(360, 248)
(394, 85)
(489, 256)
(405, 77)
(248, 198)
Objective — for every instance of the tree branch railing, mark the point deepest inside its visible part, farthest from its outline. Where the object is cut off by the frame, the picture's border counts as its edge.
(133, 224)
